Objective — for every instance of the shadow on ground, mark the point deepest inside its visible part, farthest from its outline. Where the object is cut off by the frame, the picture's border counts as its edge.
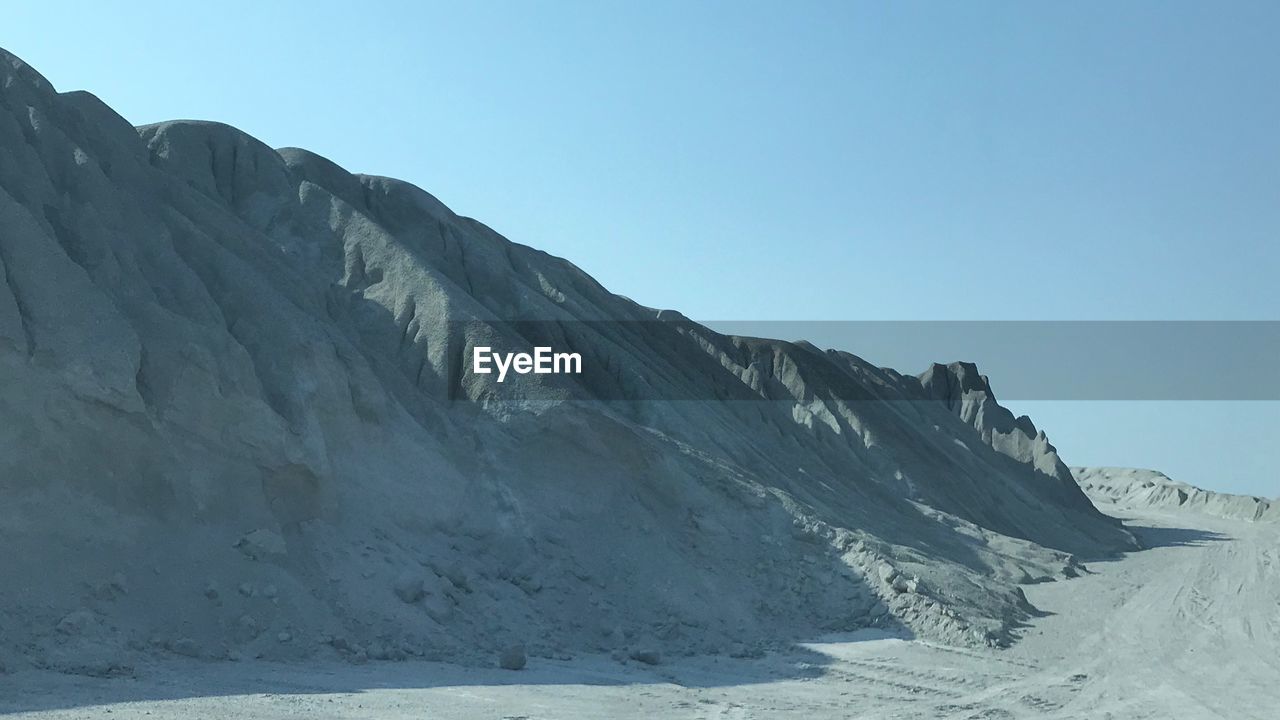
(1157, 537)
(173, 679)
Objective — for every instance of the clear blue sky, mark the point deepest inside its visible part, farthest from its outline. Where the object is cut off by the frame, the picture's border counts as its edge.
(750, 161)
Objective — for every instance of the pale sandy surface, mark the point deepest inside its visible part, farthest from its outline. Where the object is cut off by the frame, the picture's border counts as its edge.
(1185, 629)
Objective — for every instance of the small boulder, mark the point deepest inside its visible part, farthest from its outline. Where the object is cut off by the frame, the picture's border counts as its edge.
(186, 647)
(262, 543)
(887, 573)
(112, 589)
(512, 658)
(76, 622)
(408, 587)
(247, 628)
(459, 576)
(648, 656)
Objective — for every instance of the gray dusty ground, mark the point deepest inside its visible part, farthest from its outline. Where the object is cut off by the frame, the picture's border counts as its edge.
(1189, 628)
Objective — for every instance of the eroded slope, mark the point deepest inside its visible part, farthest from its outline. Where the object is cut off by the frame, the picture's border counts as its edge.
(235, 420)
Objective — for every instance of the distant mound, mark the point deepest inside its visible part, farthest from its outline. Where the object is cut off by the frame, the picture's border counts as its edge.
(1132, 487)
(237, 419)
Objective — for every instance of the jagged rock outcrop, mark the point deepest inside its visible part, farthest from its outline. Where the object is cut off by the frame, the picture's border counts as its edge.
(236, 415)
(968, 394)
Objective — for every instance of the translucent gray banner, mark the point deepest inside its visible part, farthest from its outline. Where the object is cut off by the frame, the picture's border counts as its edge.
(672, 358)
(1067, 360)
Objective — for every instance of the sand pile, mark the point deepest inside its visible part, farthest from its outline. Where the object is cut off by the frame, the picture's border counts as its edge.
(1137, 488)
(236, 421)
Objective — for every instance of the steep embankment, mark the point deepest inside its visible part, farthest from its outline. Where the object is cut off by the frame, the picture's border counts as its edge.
(236, 419)
(1137, 488)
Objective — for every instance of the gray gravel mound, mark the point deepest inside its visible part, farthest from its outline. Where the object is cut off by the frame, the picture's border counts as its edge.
(1138, 488)
(232, 424)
